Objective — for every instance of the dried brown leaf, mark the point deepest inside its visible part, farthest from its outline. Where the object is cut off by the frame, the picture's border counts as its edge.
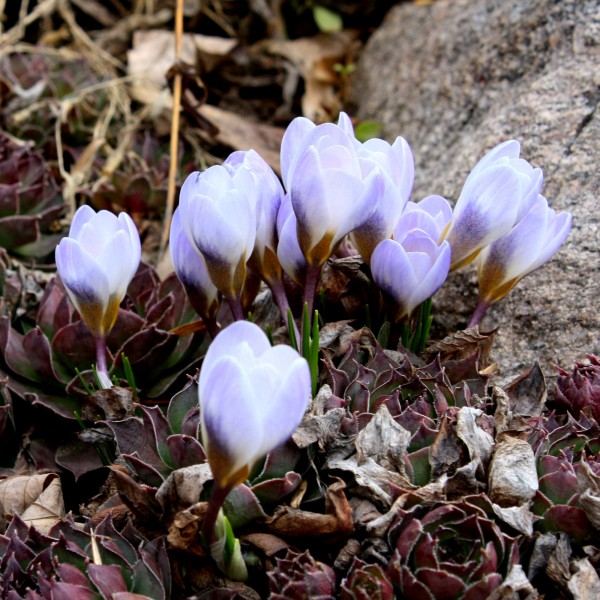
(301, 523)
(462, 345)
(36, 498)
(267, 543)
(528, 393)
(243, 134)
(513, 476)
(184, 532)
(314, 58)
(183, 487)
(384, 441)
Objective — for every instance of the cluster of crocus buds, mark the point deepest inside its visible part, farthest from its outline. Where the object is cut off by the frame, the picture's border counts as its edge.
(237, 219)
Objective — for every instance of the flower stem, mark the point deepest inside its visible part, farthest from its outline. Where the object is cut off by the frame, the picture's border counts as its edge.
(210, 517)
(235, 304)
(310, 285)
(212, 327)
(281, 300)
(478, 313)
(101, 367)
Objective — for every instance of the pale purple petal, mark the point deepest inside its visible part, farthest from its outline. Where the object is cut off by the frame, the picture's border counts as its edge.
(486, 210)
(292, 145)
(392, 271)
(505, 150)
(231, 426)
(81, 274)
(289, 252)
(288, 405)
(83, 215)
(345, 124)
(433, 279)
(135, 254)
(242, 340)
(529, 244)
(113, 260)
(190, 268)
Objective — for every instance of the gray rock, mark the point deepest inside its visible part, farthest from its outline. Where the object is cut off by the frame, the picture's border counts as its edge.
(455, 78)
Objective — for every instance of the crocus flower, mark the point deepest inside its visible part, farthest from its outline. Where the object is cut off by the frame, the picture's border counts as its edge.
(218, 214)
(329, 196)
(397, 164)
(527, 246)
(497, 194)
(96, 262)
(267, 194)
(431, 215)
(191, 270)
(410, 272)
(252, 398)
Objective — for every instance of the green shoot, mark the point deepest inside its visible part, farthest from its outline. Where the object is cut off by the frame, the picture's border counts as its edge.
(292, 331)
(269, 333)
(128, 372)
(86, 387)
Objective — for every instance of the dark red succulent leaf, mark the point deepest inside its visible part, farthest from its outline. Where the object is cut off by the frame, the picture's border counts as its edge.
(452, 550)
(301, 576)
(579, 389)
(366, 582)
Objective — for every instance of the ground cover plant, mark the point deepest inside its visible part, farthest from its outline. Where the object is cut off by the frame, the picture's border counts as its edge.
(216, 375)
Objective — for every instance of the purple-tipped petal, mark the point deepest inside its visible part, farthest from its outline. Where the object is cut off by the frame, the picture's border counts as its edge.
(498, 192)
(191, 270)
(527, 246)
(410, 272)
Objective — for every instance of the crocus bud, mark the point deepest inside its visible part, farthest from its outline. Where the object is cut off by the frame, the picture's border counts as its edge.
(329, 196)
(219, 217)
(96, 262)
(289, 252)
(431, 215)
(410, 272)
(252, 398)
(397, 166)
(191, 270)
(527, 246)
(497, 193)
(267, 194)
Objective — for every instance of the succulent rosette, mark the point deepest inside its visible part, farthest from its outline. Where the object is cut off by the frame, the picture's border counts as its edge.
(567, 459)
(30, 203)
(580, 389)
(366, 582)
(301, 576)
(67, 562)
(449, 552)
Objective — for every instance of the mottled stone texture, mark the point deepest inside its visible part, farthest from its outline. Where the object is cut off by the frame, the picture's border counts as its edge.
(458, 76)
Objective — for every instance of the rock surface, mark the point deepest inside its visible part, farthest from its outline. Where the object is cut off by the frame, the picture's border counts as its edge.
(456, 77)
